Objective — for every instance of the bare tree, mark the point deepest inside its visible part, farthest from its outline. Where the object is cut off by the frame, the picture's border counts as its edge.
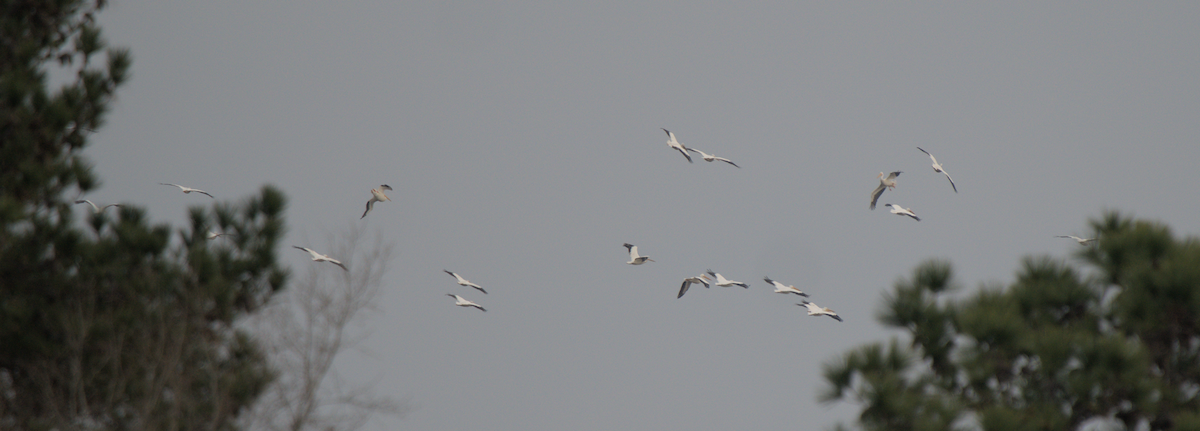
(317, 319)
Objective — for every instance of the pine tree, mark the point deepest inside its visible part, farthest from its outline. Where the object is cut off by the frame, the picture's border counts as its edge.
(1053, 350)
(116, 324)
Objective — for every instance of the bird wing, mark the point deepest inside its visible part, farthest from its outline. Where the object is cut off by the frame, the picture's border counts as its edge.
(835, 317)
(951, 180)
(203, 193)
(926, 152)
(336, 262)
(370, 203)
(85, 201)
(310, 251)
(893, 175)
(385, 187)
(727, 161)
(683, 289)
(876, 194)
(176, 185)
(476, 286)
(682, 150)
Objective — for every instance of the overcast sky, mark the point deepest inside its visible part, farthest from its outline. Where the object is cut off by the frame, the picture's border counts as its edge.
(523, 142)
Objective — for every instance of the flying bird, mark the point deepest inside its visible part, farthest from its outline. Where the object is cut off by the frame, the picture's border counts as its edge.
(688, 282)
(464, 282)
(96, 209)
(634, 259)
(671, 142)
(185, 189)
(780, 288)
(463, 302)
(1081, 241)
(884, 183)
(899, 210)
(816, 310)
(709, 157)
(215, 235)
(938, 168)
(318, 257)
(721, 281)
(376, 196)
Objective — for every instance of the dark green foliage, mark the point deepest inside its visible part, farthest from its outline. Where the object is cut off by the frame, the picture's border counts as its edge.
(1051, 351)
(119, 324)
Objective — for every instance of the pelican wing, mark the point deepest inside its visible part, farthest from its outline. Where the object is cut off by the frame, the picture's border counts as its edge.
(727, 161)
(370, 204)
(951, 180)
(876, 194)
(684, 288)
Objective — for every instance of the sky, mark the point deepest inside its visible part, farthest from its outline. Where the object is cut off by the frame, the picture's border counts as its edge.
(523, 141)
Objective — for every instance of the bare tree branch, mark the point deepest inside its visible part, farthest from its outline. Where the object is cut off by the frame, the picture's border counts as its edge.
(309, 327)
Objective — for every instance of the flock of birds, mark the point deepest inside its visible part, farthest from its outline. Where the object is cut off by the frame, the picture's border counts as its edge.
(709, 277)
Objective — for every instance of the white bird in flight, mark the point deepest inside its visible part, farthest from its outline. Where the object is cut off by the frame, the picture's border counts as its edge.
(634, 259)
(215, 235)
(688, 282)
(899, 210)
(780, 288)
(463, 302)
(96, 209)
(721, 281)
(463, 282)
(709, 157)
(1081, 241)
(884, 183)
(938, 168)
(186, 189)
(318, 257)
(673, 143)
(816, 310)
(376, 196)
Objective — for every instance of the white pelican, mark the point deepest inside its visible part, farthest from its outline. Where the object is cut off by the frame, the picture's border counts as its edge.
(780, 288)
(671, 142)
(96, 209)
(318, 257)
(721, 281)
(634, 259)
(899, 210)
(709, 157)
(938, 168)
(1081, 241)
(188, 189)
(376, 196)
(688, 282)
(464, 282)
(816, 310)
(463, 302)
(215, 235)
(884, 183)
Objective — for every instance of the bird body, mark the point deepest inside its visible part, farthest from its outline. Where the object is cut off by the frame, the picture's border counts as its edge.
(688, 282)
(462, 302)
(673, 143)
(463, 282)
(781, 288)
(709, 157)
(1081, 241)
(938, 168)
(816, 310)
(721, 281)
(884, 183)
(96, 209)
(376, 196)
(634, 258)
(186, 189)
(318, 257)
(899, 210)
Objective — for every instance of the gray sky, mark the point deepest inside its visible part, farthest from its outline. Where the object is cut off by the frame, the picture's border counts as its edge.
(523, 143)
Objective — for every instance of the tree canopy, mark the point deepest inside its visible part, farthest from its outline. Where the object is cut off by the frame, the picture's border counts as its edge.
(1111, 340)
(116, 324)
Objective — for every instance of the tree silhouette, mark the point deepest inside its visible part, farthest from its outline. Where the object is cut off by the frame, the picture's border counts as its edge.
(118, 324)
(1053, 350)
